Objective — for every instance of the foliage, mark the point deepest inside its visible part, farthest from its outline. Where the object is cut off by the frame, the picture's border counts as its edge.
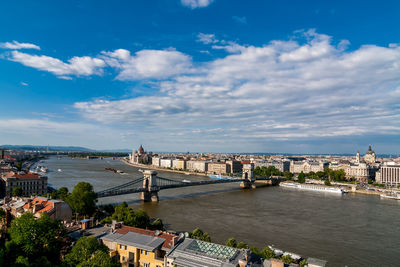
(255, 250)
(18, 165)
(99, 259)
(200, 235)
(231, 242)
(301, 178)
(327, 182)
(288, 175)
(34, 240)
(61, 193)
(83, 199)
(370, 181)
(135, 218)
(17, 191)
(157, 224)
(266, 171)
(83, 250)
(268, 253)
(287, 259)
(303, 263)
(242, 245)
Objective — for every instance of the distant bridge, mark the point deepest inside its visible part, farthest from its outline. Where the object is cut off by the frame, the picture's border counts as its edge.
(150, 184)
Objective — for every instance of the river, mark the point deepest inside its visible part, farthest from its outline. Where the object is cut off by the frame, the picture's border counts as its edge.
(350, 229)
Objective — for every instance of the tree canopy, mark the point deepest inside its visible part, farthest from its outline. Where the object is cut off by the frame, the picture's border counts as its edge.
(17, 192)
(301, 178)
(34, 240)
(89, 252)
(83, 199)
(136, 218)
(200, 235)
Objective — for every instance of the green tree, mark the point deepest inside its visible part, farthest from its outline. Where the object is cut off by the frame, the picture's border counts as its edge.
(83, 250)
(301, 178)
(83, 199)
(242, 245)
(17, 192)
(327, 182)
(288, 175)
(287, 259)
(99, 259)
(35, 239)
(18, 165)
(303, 263)
(200, 235)
(157, 224)
(255, 250)
(268, 253)
(231, 242)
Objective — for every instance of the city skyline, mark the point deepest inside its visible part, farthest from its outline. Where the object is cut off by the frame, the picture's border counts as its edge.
(202, 75)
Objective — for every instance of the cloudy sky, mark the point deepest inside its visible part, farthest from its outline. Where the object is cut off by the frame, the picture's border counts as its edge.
(202, 75)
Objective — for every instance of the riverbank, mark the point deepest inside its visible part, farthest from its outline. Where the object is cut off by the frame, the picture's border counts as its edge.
(151, 167)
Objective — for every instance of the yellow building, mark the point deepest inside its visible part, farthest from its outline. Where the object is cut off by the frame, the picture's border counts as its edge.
(137, 247)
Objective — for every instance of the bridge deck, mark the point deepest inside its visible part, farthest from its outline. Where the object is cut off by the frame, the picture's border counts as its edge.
(136, 186)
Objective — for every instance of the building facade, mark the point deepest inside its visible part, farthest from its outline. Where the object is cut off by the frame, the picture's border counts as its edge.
(139, 247)
(179, 164)
(235, 166)
(388, 174)
(219, 168)
(30, 183)
(297, 167)
(140, 156)
(191, 252)
(197, 165)
(166, 163)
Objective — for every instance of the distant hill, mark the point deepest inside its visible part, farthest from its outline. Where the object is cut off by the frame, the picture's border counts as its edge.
(50, 148)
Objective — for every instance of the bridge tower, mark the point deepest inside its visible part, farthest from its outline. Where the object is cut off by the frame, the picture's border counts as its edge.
(247, 177)
(150, 185)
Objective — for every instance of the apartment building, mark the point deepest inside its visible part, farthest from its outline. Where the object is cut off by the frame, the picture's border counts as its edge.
(197, 165)
(388, 174)
(30, 183)
(179, 164)
(139, 247)
(166, 163)
(219, 168)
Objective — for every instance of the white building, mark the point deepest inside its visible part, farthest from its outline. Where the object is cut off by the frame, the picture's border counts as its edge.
(166, 163)
(388, 174)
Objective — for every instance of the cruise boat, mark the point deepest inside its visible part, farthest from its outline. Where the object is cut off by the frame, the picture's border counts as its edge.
(395, 196)
(314, 187)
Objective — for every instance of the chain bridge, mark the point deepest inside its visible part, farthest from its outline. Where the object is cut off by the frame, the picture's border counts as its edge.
(150, 184)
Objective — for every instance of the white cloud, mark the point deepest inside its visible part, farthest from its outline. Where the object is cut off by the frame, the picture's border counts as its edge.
(78, 66)
(24, 84)
(283, 90)
(206, 38)
(148, 64)
(196, 3)
(241, 20)
(17, 45)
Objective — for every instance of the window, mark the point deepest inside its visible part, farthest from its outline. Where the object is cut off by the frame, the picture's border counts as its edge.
(146, 264)
(146, 253)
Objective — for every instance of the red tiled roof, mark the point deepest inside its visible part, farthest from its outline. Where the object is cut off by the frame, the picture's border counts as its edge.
(46, 205)
(29, 175)
(168, 237)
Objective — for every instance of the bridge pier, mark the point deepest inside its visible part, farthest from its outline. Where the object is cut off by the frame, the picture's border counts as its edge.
(150, 185)
(247, 176)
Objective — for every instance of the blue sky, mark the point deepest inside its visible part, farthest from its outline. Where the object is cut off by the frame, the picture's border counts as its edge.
(202, 75)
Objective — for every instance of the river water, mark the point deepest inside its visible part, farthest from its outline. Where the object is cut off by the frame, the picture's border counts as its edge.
(352, 230)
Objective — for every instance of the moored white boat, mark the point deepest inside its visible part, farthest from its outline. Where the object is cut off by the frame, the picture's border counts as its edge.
(395, 196)
(314, 187)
